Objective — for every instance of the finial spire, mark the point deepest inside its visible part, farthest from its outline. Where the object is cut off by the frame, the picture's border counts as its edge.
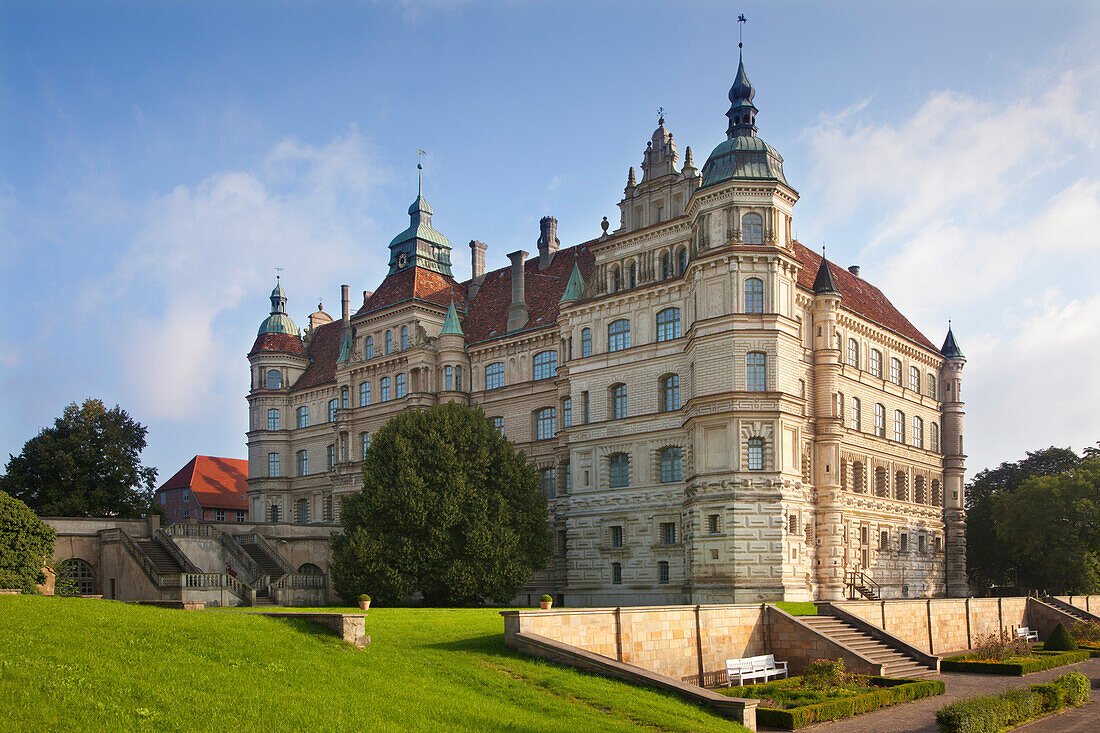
(660, 115)
(742, 112)
(741, 20)
(420, 172)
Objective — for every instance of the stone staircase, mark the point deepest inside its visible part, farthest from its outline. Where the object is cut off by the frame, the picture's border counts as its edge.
(267, 563)
(1070, 610)
(894, 662)
(162, 560)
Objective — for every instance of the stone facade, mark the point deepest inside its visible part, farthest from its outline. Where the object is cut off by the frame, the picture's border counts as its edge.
(718, 414)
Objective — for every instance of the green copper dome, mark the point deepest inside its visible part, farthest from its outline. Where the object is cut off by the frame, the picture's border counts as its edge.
(743, 157)
(278, 321)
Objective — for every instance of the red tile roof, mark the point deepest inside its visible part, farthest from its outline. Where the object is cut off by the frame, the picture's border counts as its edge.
(416, 283)
(278, 342)
(217, 483)
(488, 314)
(859, 296)
(323, 350)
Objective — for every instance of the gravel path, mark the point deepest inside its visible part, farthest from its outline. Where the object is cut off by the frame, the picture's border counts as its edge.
(920, 716)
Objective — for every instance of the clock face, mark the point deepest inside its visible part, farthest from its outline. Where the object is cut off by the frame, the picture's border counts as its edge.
(402, 260)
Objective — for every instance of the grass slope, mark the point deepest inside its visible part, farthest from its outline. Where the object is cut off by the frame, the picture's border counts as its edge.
(82, 664)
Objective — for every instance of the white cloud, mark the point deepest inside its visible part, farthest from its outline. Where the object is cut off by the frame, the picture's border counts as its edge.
(203, 249)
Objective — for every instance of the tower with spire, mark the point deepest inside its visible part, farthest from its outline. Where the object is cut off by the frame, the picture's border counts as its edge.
(420, 245)
(954, 464)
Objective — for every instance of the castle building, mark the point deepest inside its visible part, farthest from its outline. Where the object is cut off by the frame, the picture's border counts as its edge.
(717, 413)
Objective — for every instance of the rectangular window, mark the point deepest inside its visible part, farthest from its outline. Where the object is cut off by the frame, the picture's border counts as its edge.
(616, 535)
(548, 480)
(671, 464)
(240, 516)
(914, 379)
(756, 454)
(899, 426)
(494, 375)
(458, 378)
(662, 572)
(584, 406)
(303, 417)
(586, 342)
(920, 544)
(895, 371)
(545, 423)
(714, 523)
(618, 470)
(498, 424)
(857, 416)
(303, 463)
(399, 386)
(567, 412)
(448, 378)
(273, 465)
(331, 457)
(876, 363)
(918, 432)
(937, 544)
(670, 393)
(618, 401)
(219, 515)
(187, 512)
(755, 377)
(884, 540)
(364, 443)
(853, 353)
(568, 477)
(272, 419)
(932, 386)
(616, 574)
(668, 533)
(903, 543)
(332, 407)
(384, 383)
(364, 394)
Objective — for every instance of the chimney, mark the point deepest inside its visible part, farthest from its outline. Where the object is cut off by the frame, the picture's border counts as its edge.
(367, 294)
(345, 302)
(477, 260)
(548, 241)
(854, 269)
(517, 311)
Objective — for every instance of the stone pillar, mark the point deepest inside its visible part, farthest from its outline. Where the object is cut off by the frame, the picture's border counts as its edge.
(517, 310)
(829, 428)
(954, 466)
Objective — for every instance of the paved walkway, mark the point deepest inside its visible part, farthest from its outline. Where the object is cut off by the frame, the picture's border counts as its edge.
(920, 716)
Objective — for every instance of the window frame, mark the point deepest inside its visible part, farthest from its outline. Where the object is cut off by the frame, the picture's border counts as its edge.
(274, 418)
(670, 393)
(895, 371)
(853, 353)
(399, 386)
(494, 375)
(752, 228)
(546, 423)
(668, 324)
(756, 371)
(755, 454)
(273, 468)
(544, 365)
(754, 295)
(670, 464)
(364, 393)
(586, 342)
(619, 401)
(875, 363)
(618, 470)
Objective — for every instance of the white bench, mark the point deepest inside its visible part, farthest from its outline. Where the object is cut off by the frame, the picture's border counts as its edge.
(1027, 634)
(763, 668)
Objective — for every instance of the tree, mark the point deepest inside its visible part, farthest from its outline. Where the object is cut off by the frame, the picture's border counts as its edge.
(26, 543)
(87, 465)
(448, 508)
(986, 563)
(1049, 530)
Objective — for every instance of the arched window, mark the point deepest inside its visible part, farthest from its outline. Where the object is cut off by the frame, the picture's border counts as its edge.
(618, 335)
(448, 378)
(546, 364)
(932, 386)
(384, 385)
(752, 229)
(273, 465)
(302, 459)
(399, 386)
(670, 393)
(545, 423)
(274, 379)
(755, 371)
(754, 295)
(333, 405)
(458, 378)
(273, 419)
(880, 421)
(404, 337)
(586, 342)
(895, 370)
(344, 397)
(914, 379)
(303, 511)
(901, 486)
(756, 454)
(876, 363)
(80, 573)
(618, 470)
(389, 342)
(618, 401)
(364, 394)
(918, 432)
(668, 324)
(681, 260)
(882, 483)
(309, 568)
(899, 426)
(934, 436)
(857, 415)
(633, 275)
(666, 266)
(303, 416)
(368, 352)
(494, 375)
(671, 464)
(364, 443)
(853, 353)
(616, 279)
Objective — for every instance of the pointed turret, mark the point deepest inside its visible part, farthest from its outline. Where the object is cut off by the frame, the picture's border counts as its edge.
(420, 245)
(950, 348)
(742, 112)
(278, 321)
(824, 282)
(575, 287)
(451, 324)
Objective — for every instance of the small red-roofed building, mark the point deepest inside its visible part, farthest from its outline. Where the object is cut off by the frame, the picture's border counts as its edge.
(207, 489)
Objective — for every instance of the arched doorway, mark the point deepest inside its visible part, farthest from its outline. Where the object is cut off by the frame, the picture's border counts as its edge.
(80, 573)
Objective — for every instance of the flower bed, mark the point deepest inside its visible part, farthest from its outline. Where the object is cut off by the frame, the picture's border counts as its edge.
(1019, 665)
(798, 701)
(1013, 707)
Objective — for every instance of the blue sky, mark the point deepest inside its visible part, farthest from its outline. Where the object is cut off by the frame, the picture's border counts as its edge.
(157, 160)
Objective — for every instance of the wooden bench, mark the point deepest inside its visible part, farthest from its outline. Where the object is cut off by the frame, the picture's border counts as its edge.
(1027, 634)
(763, 667)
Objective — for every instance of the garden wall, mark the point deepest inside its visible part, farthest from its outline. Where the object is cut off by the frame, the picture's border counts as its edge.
(1091, 604)
(940, 625)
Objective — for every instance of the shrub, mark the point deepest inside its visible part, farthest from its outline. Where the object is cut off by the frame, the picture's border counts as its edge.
(1077, 687)
(364, 598)
(892, 691)
(26, 542)
(1000, 647)
(992, 713)
(1086, 631)
(1036, 663)
(1060, 640)
(546, 598)
(822, 673)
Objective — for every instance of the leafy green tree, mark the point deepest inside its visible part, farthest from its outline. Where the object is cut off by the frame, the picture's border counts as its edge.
(26, 543)
(986, 562)
(1049, 530)
(87, 465)
(448, 508)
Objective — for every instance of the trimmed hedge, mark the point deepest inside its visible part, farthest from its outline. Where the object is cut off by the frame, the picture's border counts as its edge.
(993, 713)
(893, 691)
(1041, 661)
(1060, 640)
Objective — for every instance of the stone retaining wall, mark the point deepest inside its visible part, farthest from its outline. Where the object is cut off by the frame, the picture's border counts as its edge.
(1090, 604)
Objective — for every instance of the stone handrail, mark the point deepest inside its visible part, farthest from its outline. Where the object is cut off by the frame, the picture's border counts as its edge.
(164, 540)
(192, 530)
(300, 580)
(206, 531)
(253, 538)
(124, 539)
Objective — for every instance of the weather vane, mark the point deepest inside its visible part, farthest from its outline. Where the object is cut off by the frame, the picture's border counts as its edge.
(741, 20)
(420, 172)
(277, 271)
(660, 115)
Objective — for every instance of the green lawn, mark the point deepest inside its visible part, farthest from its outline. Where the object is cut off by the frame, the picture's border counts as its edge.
(797, 608)
(82, 664)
